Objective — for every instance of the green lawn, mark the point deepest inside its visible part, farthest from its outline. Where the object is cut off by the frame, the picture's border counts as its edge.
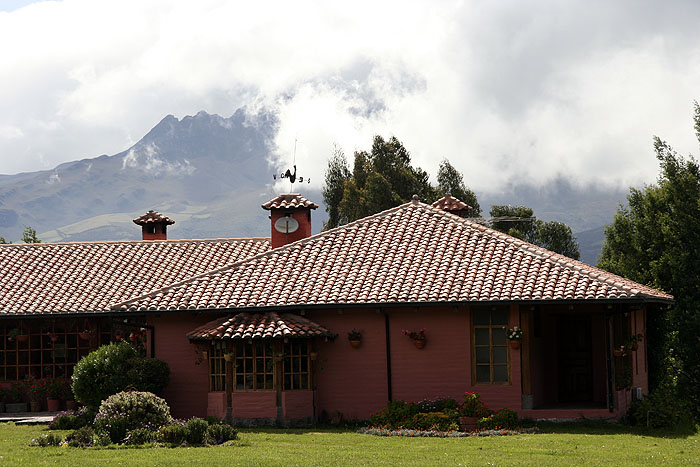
(566, 444)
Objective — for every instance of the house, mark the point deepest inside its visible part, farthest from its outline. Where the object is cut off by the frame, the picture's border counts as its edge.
(257, 329)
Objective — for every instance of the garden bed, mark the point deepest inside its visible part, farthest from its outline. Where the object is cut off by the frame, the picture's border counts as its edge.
(444, 434)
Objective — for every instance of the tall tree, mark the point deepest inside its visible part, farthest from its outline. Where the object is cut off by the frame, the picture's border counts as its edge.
(655, 240)
(29, 235)
(380, 179)
(451, 181)
(520, 222)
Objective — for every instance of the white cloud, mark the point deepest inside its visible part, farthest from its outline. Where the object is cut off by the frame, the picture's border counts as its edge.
(504, 90)
(145, 158)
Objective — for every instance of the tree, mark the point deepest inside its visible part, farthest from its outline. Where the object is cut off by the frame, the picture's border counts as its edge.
(380, 179)
(520, 222)
(451, 181)
(655, 240)
(29, 235)
(3, 241)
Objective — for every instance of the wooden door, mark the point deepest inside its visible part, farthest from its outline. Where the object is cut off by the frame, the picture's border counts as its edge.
(575, 358)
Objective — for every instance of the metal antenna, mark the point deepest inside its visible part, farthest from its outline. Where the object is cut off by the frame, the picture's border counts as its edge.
(292, 176)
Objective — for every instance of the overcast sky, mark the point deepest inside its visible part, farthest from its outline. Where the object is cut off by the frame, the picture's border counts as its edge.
(504, 90)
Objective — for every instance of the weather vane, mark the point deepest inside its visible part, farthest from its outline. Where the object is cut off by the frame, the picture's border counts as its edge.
(292, 176)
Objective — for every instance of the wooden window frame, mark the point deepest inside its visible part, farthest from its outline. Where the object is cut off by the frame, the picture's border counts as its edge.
(304, 355)
(490, 327)
(38, 354)
(267, 358)
(217, 366)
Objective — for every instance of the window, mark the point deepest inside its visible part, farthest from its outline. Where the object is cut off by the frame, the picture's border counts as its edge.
(296, 365)
(489, 345)
(217, 366)
(254, 369)
(43, 353)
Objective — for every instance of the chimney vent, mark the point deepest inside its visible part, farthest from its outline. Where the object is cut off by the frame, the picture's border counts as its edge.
(290, 217)
(449, 203)
(154, 225)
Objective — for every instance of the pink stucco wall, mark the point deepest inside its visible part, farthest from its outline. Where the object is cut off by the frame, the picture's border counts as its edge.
(216, 404)
(262, 404)
(298, 404)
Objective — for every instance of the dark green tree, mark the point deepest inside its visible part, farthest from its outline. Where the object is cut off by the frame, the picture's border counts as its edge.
(3, 241)
(451, 181)
(380, 179)
(29, 235)
(655, 240)
(520, 222)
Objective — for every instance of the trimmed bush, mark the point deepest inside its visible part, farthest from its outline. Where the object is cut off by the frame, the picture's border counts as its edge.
(220, 433)
(81, 438)
(50, 439)
(72, 420)
(113, 368)
(141, 436)
(504, 418)
(661, 411)
(174, 433)
(130, 410)
(196, 430)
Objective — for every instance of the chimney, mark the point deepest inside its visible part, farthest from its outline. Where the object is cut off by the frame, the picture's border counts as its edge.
(154, 225)
(449, 203)
(290, 218)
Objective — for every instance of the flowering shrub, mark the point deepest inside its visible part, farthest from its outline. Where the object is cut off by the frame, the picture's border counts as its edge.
(473, 406)
(141, 436)
(436, 421)
(174, 433)
(442, 434)
(504, 418)
(130, 410)
(437, 405)
(515, 334)
(34, 388)
(50, 439)
(394, 415)
(81, 438)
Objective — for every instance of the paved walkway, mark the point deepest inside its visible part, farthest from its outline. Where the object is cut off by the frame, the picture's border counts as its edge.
(27, 418)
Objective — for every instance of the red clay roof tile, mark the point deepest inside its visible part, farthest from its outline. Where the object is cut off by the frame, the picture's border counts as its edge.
(259, 326)
(289, 201)
(408, 254)
(152, 217)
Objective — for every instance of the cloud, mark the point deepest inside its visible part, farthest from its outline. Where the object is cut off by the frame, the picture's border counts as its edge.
(145, 158)
(507, 91)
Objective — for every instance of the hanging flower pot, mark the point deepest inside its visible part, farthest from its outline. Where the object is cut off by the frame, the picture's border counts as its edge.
(54, 338)
(118, 337)
(355, 344)
(419, 343)
(228, 357)
(618, 352)
(515, 344)
(23, 338)
(84, 335)
(355, 338)
(133, 337)
(313, 355)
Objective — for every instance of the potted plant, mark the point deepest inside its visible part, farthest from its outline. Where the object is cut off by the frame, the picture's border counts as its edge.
(418, 337)
(53, 387)
(515, 335)
(355, 338)
(13, 398)
(472, 410)
(228, 356)
(633, 342)
(36, 392)
(4, 397)
(17, 334)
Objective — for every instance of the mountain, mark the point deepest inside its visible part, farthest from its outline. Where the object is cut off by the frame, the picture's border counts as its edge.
(207, 172)
(211, 174)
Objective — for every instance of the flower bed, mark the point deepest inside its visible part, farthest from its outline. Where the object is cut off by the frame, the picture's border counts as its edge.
(443, 434)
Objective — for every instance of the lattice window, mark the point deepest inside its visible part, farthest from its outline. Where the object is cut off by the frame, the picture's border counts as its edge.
(490, 356)
(217, 366)
(42, 353)
(296, 365)
(254, 368)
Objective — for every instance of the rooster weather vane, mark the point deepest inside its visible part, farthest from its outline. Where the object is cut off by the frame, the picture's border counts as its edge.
(292, 176)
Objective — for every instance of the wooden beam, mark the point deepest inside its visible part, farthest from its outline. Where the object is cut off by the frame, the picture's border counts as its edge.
(525, 352)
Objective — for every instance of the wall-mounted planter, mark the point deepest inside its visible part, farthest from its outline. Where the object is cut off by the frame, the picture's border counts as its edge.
(355, 344)
(419, 343)
(514, 344)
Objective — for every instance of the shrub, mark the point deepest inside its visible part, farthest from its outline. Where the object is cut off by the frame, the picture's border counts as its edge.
(504, 418)
(131, 410)
(473, 406)
(196, 431)
(438, 421)
(72, 420)
(220, 433)
(50, 439)
(437, 405)
(394, 415)
(82, 437)
(661, 409)
(113, 368)
(141, 436)
(173, 433)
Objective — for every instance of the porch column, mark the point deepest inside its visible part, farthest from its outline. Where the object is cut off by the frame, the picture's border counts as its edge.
(527, 397)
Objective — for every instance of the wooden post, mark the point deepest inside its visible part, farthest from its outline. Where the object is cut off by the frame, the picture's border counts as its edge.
(229, 379)
(525, 359)
(279, 376)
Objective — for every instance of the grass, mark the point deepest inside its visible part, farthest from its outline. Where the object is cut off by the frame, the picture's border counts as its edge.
(565, 444)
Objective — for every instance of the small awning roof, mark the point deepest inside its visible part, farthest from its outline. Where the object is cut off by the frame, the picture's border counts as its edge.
(268, 325)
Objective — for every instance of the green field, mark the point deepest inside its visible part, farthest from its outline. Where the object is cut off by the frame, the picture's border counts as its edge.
(565, 444)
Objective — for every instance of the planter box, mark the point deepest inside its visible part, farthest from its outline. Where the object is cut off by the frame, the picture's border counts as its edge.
(16, 407)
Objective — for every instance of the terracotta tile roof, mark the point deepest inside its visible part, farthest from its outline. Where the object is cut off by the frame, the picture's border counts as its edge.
(259, 326)
(289, 201)
(152, 217)
(413, 253)
(88, 277)
(450, 203)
